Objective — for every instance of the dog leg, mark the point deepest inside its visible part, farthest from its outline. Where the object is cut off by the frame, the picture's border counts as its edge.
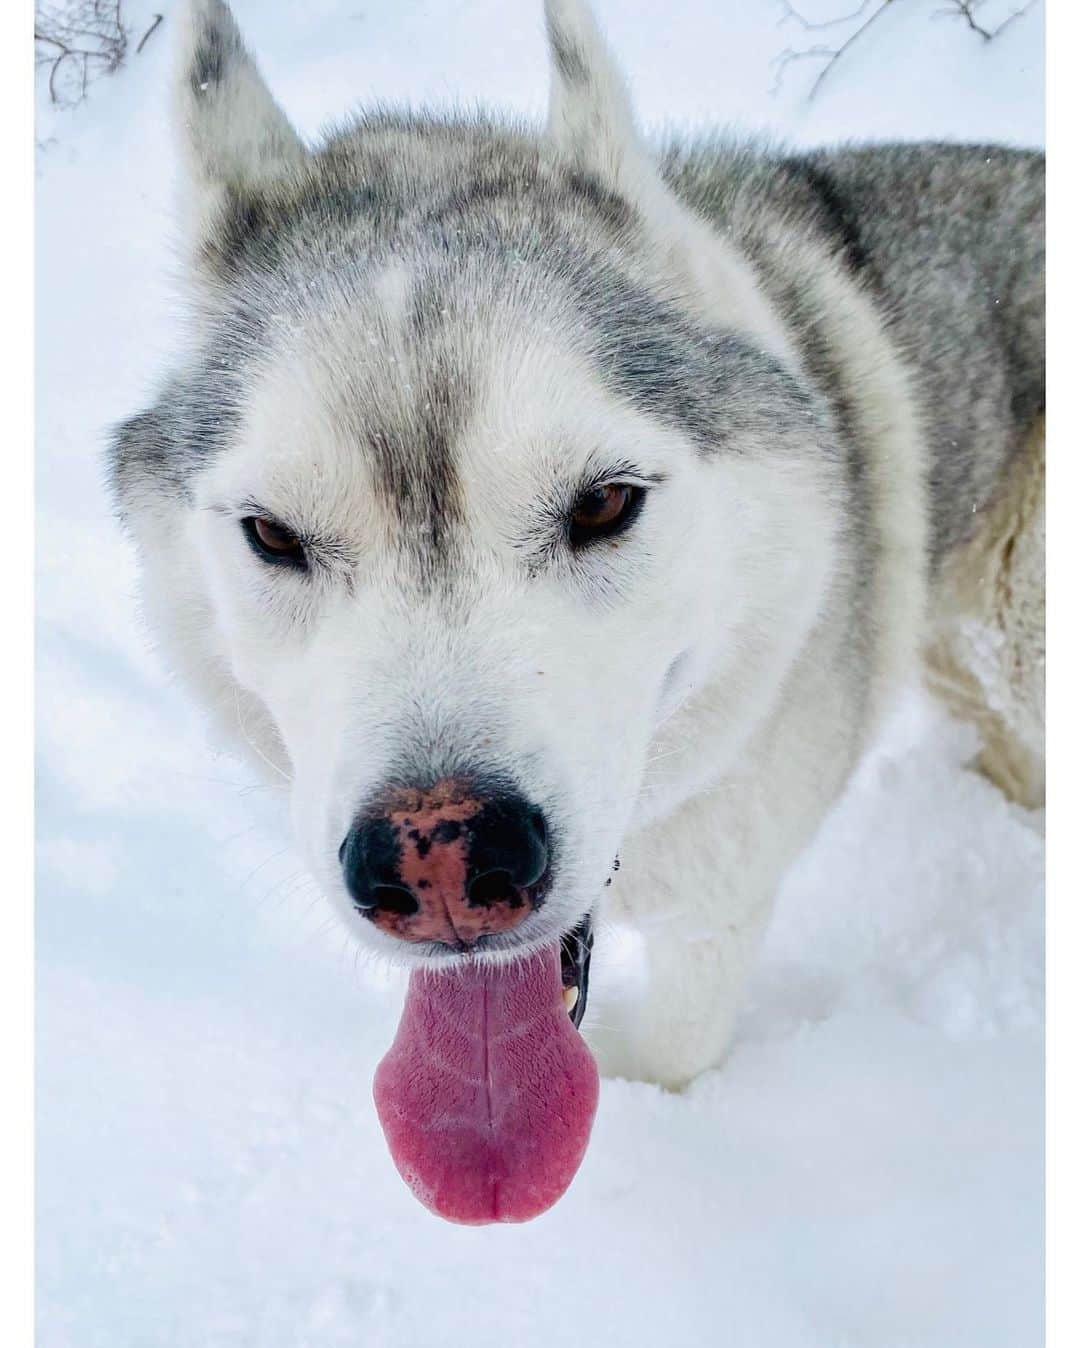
(679, 1025)
(676, 940)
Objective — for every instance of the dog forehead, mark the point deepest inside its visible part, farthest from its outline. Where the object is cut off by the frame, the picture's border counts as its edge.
(416, 400)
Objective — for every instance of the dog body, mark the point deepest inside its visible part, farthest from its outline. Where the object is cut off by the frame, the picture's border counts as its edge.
(415, 351)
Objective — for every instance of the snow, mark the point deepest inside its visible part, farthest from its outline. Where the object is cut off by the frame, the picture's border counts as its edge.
(865, 1170)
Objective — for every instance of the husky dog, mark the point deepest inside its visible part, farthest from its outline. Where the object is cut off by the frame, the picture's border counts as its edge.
(531, 498)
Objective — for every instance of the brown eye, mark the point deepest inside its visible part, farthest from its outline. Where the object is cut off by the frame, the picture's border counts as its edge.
(273, 541)
(603, 511)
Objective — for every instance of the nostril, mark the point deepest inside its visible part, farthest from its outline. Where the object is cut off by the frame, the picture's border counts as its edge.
(394, 899)
(369, 856)
(509, 850)
(494, 887)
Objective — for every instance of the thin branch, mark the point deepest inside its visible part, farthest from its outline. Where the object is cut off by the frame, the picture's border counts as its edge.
(158, 21)
(85, 33)
(790, 12)
(832, 54)
(964, 9)
(789, 56)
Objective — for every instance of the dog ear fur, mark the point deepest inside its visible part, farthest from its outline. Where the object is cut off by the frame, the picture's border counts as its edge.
(235, 140)
(590, 118)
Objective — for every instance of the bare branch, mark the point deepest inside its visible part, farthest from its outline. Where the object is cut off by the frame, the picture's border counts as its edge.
(790, 12)
(84, 36)
(790, 55)
(159, 19)
(831, 54)
(965, 9)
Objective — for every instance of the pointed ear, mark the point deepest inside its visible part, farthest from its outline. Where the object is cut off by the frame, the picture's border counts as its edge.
(591, 125)
(590, 119)
(235, 139)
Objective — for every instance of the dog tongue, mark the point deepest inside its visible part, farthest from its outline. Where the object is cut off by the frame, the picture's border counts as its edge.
(488, 1092)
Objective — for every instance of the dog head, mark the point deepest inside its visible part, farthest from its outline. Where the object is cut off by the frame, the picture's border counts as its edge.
(486, 457)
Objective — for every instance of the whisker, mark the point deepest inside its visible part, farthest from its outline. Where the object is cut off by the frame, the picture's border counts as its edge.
(250, 742)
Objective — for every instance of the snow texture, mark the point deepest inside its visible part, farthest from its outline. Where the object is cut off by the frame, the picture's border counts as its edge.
(867, 1168)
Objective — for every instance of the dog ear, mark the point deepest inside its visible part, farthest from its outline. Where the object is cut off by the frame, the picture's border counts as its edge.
(591, 125)
(235, 139)
(590, 119)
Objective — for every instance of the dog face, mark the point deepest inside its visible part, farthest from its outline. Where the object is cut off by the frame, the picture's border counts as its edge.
(485, 458)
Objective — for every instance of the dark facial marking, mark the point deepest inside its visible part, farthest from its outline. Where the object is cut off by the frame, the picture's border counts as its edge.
(415, 465)
(713, 384)
(190, 420)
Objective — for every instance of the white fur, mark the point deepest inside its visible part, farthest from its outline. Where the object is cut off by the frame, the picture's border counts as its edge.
(695, 724)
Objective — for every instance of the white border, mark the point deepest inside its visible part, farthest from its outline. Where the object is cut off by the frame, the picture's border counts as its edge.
(16, 810)
(1063, 678)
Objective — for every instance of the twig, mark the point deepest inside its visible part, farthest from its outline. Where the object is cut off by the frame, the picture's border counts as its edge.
(832, 54)
(158, 20)
(964, 9)
(790, 12)
(958, 9)
(789, 56)
(90, 31)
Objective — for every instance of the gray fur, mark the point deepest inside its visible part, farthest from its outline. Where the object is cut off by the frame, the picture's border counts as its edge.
(959, 290)
(483, 217)
(570, 61)
(421, 344)
(948, 240)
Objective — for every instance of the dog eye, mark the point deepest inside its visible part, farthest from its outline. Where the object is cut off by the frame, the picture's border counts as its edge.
(274, 542)
(603, 511)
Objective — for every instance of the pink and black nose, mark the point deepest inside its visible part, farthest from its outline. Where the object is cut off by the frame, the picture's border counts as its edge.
(449, 864)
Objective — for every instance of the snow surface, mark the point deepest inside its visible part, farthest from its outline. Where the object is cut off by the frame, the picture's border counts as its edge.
(867, 1168)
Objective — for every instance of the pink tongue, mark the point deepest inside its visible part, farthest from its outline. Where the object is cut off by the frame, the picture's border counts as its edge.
(488, 1092)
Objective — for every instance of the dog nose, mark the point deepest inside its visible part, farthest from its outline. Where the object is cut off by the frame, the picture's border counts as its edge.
(450, 863)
